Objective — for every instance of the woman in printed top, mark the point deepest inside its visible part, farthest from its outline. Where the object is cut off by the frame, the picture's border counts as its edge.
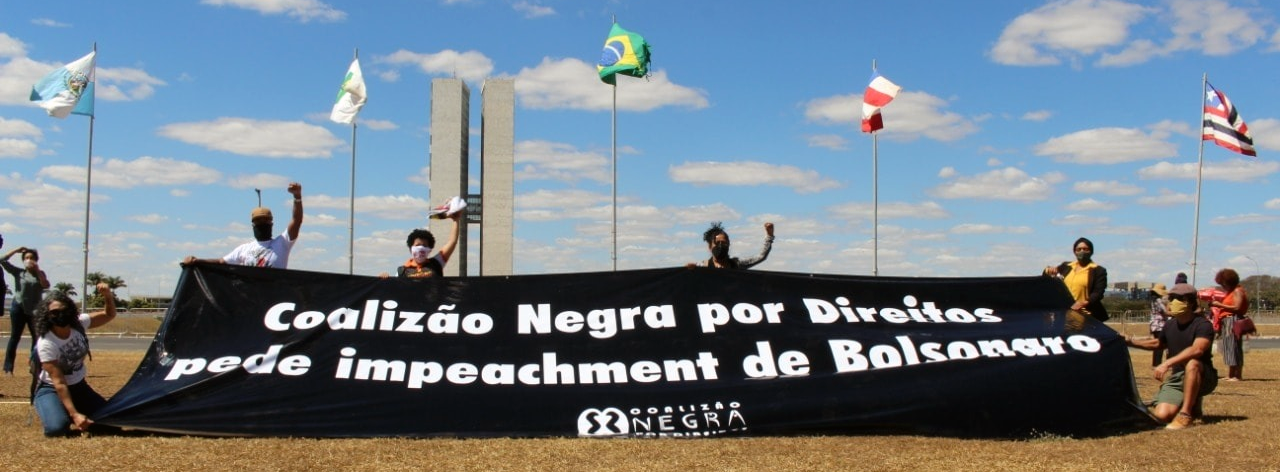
(1159, 314)
(421, 263)
(1227, 311)
(1085, 279)
(62, 397)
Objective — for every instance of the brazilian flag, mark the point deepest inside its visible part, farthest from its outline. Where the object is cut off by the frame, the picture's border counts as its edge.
(625, 53)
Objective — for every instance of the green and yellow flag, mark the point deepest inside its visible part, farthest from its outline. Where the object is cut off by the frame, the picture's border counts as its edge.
(625, 53)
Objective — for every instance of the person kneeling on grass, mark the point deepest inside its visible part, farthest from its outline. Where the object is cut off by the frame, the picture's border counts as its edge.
(62, 397)
(1188, 374)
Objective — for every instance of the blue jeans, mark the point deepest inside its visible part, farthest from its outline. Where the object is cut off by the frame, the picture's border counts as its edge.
(19, 319)
(54, 416)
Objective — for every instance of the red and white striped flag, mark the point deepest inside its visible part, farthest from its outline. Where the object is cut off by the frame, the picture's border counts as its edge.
(879, 93)
(1223, 125)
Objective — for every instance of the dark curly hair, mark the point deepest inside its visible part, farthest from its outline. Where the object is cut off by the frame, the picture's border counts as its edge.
(420, 234)
(710, 234)
(1227, 278)
(69, 315)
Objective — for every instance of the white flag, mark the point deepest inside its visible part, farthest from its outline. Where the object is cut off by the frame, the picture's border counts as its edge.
(351, 96)
(60, 92)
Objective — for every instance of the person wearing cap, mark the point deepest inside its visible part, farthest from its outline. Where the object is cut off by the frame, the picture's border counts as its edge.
(265, 250)
(1187, 375)
(1159, 312)
(1084, 278)
(718, 244)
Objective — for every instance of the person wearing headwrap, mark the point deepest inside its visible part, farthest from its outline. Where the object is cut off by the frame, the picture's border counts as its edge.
(1084, 278)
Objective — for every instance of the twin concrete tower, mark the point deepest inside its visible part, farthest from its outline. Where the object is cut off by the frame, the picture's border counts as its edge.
(494, 207)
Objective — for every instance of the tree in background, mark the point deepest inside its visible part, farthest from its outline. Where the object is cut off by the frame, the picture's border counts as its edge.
(94, 278)
(65, 287)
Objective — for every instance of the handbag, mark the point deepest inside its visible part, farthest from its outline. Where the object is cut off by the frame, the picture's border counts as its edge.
(1244, 326)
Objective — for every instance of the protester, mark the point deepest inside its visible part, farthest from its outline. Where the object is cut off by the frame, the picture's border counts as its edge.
(3, 287)
(420, 241)
(29, 283)
(1085, 279)
(1188, 374)
(1233, 306)
(62, 397)
(718, 244)
(1159, 312)
(265, 251)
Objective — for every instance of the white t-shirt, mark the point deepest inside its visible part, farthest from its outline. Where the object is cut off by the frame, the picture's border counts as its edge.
(68, 353)
(273, 253)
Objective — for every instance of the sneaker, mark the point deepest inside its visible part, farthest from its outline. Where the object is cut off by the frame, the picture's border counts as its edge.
(1181, 421)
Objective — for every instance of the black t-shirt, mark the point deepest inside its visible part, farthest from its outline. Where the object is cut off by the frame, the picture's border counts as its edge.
(1177, 337)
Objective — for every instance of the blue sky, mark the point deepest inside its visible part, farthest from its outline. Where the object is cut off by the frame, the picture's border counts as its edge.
(1021, 126)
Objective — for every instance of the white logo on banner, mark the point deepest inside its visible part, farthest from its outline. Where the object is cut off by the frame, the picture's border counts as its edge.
(606, 422)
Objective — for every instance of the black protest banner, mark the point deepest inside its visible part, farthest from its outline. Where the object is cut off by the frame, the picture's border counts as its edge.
(650, 353)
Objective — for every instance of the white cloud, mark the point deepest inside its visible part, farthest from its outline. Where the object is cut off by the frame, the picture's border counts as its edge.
(470, 66)
(533, 10)
(750, 173)
(16, 128)
(1037, 115)
(49, 23)
(1167, 198)
(261, 181)
(379, 125)
(1266, 133)
(1090, 204)
(574, 84)
(1080, 220)
(976, 228)
(1106, 146)
(112, 84)
(11, 47)
(150, 218)
(20, 148)
(558, 161)
(249, 137)
(301, 10)
(1213, 27)
(1009, 183)
(911, 114)
(1244, 219)
(1109, 187)
(830, 141)
(1235, 170)
(144, 171)
(891, 210)
(1065, 29)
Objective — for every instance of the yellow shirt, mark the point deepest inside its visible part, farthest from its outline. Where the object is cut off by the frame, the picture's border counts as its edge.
(1077, 280)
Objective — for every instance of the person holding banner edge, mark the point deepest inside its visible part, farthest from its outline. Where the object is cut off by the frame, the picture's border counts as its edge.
(1084, 278)
(718, 245)
(1187, 375)
(62, 397)
(265, 251)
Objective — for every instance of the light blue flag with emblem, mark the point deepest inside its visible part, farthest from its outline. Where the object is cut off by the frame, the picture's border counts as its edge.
(68, 89)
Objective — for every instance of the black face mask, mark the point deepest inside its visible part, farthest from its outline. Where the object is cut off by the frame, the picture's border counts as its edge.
(262, 232)
(720, 250)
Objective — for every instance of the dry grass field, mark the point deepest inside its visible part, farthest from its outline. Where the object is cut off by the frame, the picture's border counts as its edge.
(1238, 434)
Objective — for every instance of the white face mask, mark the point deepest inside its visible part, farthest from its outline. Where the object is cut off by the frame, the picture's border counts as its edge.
(420, 253)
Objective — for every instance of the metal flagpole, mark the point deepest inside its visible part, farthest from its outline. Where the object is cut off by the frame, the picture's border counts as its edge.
(1195, 233)
(613, 135)
(88, 187)
(875, 197)
(351, 218)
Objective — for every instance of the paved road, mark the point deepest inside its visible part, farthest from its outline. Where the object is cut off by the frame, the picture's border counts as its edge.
(111, 343)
